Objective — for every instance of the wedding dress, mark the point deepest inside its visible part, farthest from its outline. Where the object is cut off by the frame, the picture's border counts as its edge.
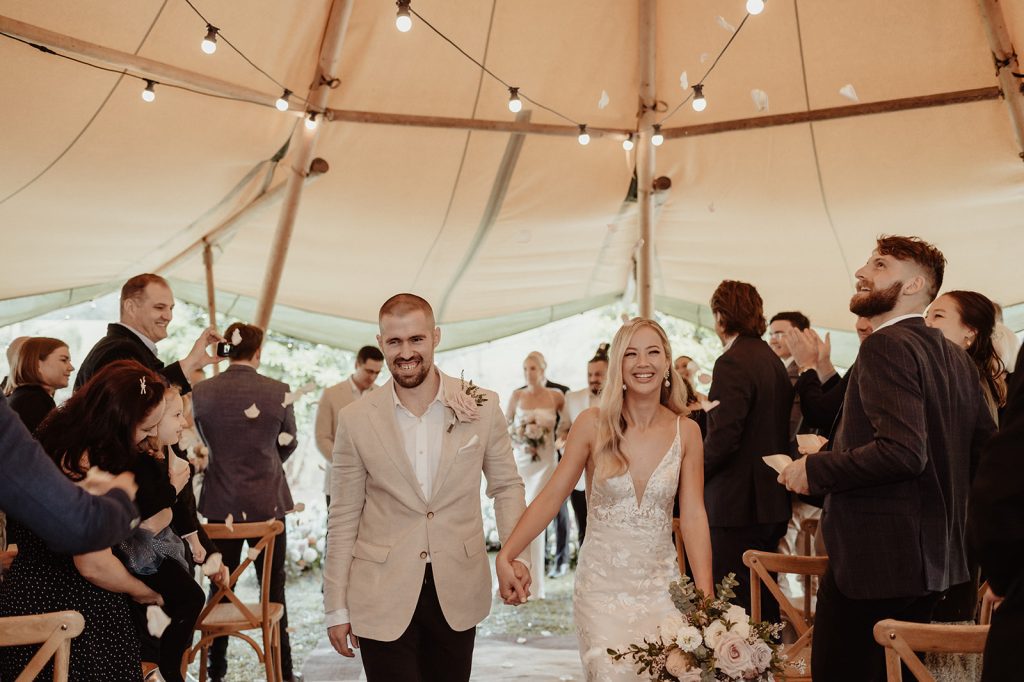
(625, 566)
(535, 473)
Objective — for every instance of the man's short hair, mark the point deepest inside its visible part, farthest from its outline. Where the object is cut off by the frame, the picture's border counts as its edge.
(134, 288)
(368, 353)
(794, 317)
(925, 255)
(252, 340)
(403, 304)
(739, 307)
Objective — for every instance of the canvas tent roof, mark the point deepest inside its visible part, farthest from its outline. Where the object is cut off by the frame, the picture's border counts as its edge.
(502, 235)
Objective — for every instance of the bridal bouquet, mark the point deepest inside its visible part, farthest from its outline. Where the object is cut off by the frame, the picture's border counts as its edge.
(709, 640)
(531, 435)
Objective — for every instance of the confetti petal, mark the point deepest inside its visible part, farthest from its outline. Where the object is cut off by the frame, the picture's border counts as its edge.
(252, 411)
(684, 81)
(236, 338)
(230, 523)
(244, 516)
(708, 406)
(849, 93)
(520, 640)
(253, 553)
(603, 102)
(704, 56)
(285, 439)
(760, 98)
(156, 620)
(213, 564)
(292, 396)
(725, 24)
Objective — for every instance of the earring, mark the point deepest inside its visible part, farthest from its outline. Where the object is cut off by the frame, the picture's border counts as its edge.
(623, 388)
(668, 376)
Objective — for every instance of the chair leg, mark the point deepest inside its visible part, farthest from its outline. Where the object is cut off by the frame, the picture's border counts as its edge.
(268, 655)
(277, 652)
(202, 661)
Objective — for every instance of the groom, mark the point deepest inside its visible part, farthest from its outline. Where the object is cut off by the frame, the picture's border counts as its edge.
(407, 577)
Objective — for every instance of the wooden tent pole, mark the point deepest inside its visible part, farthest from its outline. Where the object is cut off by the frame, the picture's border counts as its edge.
(1006, 64)
(645, 159)
(303, 142)
(211, 295)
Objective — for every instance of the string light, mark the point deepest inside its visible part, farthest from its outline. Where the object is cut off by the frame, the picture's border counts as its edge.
(515, 105)
(755, 6)
(627, 144)
(403, 21)
(148, 94)
(282, 101)
(209, 44)
(657, 139)
(699, 103)
(584, 137)
(311, 121)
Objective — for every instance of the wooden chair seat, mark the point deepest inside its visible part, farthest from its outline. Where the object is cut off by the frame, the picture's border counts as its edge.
(231, 617)
(903, 640)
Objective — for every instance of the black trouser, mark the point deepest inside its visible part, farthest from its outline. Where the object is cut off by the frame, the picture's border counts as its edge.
(578, 498)
(562, 536)
(844, 647)
(183, 600)
(231, 551)
(428, 651)
(727, 547)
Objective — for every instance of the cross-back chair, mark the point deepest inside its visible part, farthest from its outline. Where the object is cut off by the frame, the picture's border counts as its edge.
(901, 640)
(54, 631)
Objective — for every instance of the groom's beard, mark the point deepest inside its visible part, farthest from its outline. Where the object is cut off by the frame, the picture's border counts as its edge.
(410, 380)
(876, 303)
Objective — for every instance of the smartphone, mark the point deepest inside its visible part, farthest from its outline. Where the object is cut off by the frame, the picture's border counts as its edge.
(224, 349)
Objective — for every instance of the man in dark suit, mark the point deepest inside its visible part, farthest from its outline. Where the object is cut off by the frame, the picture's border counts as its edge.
(147, 306)
(241, 416)
(778, 327)
(746, 508)
(897, 476)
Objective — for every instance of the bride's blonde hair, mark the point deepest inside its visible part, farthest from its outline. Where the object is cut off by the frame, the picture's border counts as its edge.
(609, 459)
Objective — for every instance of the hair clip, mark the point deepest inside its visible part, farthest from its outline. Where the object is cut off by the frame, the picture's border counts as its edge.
(142, 386)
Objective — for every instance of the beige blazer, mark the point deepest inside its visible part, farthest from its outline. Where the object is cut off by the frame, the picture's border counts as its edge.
(326, 425)
(381, 529)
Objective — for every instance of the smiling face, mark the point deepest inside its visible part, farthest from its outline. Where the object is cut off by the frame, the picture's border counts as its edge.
(880, 284)
(149, 426)
(408, 342)
(151, 312)
(173, 422)
(644, 362)
(56, 368)
(944, 315)
(533, 372)
(776, 337)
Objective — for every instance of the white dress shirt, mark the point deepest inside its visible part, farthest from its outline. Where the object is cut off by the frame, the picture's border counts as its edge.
(900, 318)
(422, 438)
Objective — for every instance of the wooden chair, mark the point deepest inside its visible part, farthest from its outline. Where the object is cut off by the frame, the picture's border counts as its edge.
(808, 534)
(902, 639)
(677, 537)
(54, 631)
(985, 607)
(762, 565)
(227, 615)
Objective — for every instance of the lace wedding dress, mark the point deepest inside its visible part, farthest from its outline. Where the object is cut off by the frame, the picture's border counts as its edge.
(536, 471)
(625, 567)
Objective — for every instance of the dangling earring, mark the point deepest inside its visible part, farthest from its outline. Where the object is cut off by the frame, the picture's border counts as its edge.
(623, 388)
(668, 382)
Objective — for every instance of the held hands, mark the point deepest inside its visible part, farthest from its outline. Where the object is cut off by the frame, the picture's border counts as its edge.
(794, 477)
(199, 356)
(513, 580)
(341, 636)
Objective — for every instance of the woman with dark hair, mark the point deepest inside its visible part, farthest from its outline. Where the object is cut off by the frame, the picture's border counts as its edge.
(968, 319)
(103, 426)
(41, 366)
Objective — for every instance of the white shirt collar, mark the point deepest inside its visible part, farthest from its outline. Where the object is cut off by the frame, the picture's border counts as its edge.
(900, 318)
(145, 339)
(728, 344)
(788, 361)
(437, 398)
(355, 389)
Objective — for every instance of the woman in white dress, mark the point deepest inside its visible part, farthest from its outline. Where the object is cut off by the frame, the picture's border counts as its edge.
(639, 451)
(532, 412)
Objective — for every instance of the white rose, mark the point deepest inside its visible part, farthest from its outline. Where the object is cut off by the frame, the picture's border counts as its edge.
(670, 625)
(760, 655)
(735, 614)
(741, 629)
(309, 555)
(713, 634)
(733, 656)
(678, 665)
(688, 638)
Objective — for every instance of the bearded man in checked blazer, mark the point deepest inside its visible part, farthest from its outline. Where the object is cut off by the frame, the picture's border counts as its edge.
(407, 578)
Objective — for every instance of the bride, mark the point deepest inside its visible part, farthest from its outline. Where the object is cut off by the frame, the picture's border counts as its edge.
(533, 412)
(639, 450)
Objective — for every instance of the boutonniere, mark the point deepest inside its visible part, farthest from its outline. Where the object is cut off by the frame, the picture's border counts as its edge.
(464, 402)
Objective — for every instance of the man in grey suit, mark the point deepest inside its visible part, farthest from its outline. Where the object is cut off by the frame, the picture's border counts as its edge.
(896, 480)
(241, 416)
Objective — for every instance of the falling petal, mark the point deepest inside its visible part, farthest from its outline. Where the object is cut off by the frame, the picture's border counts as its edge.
(603, 102)
(229, 522)
(252, 411)
(704, 56)
(253, 553)
(245, 516)
(684, 81)
(760, 98)
(285, 439)
(520, 640)
(156, 620)
(236, 338)
(213, 564)
(849, 93)
(708, 406)
(725, 24)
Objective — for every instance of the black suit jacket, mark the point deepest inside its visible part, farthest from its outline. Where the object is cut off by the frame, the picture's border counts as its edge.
(33, 403)
(122, 343)
(751, 421)
(821, 403)
(896, 480)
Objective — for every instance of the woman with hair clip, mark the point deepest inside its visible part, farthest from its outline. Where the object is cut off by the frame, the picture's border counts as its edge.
(102, 427)
(41, 367)
(639, 451)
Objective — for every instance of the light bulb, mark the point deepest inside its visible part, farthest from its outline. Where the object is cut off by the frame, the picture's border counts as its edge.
(627, 144)
(148, 94)
(209, 43)
(311, 121)
(515, 105)
(584, 137)
(282, 101)
(403, 22)
(657, 139)
(699, 103)
(755, 6)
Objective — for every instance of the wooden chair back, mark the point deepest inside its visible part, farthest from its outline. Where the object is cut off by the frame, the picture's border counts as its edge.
(54, 631)
(901, 640)
(809, 529)
(762, 565)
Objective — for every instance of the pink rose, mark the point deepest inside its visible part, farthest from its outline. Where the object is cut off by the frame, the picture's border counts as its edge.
(733, 655)
(464, 406)
(761, 655)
